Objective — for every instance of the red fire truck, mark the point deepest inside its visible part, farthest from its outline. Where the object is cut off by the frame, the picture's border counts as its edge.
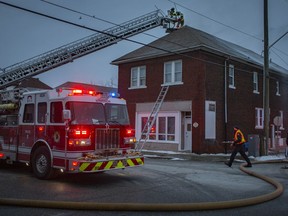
(71, 131)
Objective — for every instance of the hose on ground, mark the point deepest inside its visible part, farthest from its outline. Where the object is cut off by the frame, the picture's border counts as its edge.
(153, 206)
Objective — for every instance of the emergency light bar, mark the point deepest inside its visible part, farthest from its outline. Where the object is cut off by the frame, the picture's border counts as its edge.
(79, 92)
(84, 92)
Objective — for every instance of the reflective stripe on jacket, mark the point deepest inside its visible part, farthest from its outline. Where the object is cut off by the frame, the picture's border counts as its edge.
(239, 137)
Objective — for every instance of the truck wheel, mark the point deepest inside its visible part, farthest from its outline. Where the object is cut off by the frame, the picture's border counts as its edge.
(41, 163)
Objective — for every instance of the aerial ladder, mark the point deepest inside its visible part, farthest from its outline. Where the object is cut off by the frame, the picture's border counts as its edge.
(67, 53)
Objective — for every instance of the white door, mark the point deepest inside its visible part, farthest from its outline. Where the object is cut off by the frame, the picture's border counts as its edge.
(188, 134)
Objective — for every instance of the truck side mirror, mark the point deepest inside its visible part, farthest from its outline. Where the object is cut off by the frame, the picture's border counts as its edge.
(66, 115)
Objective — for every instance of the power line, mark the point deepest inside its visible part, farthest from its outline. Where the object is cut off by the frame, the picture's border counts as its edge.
(130, 40)
(233, 28)
(214, 20)
(103, 20)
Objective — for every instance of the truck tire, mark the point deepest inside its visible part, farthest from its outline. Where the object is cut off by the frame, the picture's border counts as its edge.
(41, 163)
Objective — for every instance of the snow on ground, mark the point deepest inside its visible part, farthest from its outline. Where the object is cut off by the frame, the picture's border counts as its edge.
(158, 153)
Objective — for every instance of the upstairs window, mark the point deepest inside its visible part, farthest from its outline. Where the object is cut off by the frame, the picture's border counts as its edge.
(255, 83)
(231, 77)
(278, 88)
(173, 72)
(259, 118)
(138, 77)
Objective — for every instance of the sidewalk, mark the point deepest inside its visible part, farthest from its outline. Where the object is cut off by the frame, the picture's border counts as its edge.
(221, 157)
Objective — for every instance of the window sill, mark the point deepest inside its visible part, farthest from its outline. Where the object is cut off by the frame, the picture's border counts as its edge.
(172, 83)
(137, 87)
(256, 92)
(259, 127)
(232, 87)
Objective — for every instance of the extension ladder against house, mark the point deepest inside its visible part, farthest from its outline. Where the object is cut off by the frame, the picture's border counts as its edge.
(151, 119)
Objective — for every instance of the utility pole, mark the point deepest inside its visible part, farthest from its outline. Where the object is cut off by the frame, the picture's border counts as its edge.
(264, 147)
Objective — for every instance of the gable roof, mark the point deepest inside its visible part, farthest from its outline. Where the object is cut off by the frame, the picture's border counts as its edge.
(33, 83)
(189, 39)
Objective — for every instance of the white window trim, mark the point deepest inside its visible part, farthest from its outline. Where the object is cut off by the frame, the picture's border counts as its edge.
(177, 116)
(258, 124)
(231, 69)
(281, 116)
(256, 82)
(278, 88)
(173, 82)
(138, 86)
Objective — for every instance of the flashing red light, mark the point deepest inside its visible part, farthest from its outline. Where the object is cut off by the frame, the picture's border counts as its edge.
(83, 92)
(77, 91)
(81, 132)
(91, 92)
(40, 128)
(1, 155)
(74, 163)
(130, 132)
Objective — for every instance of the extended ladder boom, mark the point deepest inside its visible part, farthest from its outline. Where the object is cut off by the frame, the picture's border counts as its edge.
(74, 50)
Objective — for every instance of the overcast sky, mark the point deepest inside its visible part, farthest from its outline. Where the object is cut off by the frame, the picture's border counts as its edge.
(25, 35)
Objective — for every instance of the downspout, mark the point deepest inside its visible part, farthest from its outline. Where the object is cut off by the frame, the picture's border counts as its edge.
(225, 98)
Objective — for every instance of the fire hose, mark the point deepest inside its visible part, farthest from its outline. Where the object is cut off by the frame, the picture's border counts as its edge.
(155, 206)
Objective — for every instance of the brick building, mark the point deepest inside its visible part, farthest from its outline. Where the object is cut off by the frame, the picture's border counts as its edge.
(213, 85)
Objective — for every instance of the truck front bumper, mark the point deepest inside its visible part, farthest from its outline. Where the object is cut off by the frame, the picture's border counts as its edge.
(100, 165)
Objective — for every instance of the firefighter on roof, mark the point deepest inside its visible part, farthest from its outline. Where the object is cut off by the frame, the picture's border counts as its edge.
(180, 21)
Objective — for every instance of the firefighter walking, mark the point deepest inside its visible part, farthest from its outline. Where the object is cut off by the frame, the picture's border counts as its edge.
(239, 141)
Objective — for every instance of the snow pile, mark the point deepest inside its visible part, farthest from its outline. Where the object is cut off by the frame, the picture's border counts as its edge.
(177, 155)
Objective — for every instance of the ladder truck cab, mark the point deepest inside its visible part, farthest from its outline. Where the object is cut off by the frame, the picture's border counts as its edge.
(67, 130)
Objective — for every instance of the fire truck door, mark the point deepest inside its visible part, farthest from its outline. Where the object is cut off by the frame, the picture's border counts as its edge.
(32, 122)
(26, 127)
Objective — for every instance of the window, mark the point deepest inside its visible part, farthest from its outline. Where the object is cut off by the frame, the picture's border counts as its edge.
(278, 88)
(164, 128)
(117, 114)
(42, 110)
(138, 77)
(56, 110)
(259, 118)
(231, 76)
(255, 83)
(281, 116)
(173, 72)
(210, 119)
(86, 112)
(28, 116)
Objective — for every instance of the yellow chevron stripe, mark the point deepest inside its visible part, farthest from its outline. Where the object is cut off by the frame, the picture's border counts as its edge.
(83, 166)
(140, 161)
(112, 164)
(108, 166)
(97, 166)
(120, 164)
(130, 162)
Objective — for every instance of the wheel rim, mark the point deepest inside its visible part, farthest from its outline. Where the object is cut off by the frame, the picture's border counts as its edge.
(41, 164)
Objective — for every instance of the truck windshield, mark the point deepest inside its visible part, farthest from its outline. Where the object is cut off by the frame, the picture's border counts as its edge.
(86, 113)
(116, 114)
